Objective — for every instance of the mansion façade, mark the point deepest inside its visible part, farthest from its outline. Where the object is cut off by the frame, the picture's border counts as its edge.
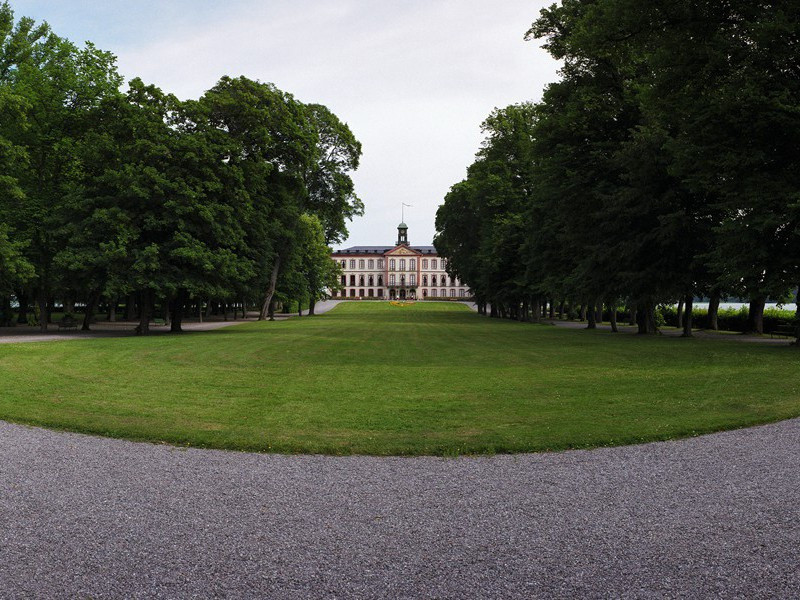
(396, 272)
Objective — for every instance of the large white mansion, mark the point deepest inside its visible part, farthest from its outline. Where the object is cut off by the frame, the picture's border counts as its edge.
(396, 272)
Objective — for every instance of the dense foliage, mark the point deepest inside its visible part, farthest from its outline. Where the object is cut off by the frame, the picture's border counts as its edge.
(136, 198)
(661, 167)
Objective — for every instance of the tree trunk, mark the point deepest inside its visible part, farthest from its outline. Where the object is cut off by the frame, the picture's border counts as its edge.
(311, 304)
(646, 318)
(687, 316)
(209, 309)
(145, 300)
(130, 307)
(178, 308)
(583, 312)
(523, 313)
(632, 320)
(271, 310)
(612, 317)
(797, 318)
(591, 313)
(167, 310)
(22, 315)
(6, 320)
(69, 305)
(537, 309)
(679, 317)
(299, 308)
(755, 316)
(91, 305)
(599, 313)
(42, 302)
(493, 310)
(713, 310)
(561, 309)
(112, 309)
(273, 280)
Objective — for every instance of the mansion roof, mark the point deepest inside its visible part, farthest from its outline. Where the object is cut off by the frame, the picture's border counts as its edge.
(383, 249)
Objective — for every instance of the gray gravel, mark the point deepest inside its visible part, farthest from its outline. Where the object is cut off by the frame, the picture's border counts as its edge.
(14, 335)
(715, 516)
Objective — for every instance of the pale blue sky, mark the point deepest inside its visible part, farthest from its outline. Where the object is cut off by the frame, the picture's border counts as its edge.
(412, 78)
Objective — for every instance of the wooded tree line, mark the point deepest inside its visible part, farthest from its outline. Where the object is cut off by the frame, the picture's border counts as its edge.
(138, 198)
(662, 165)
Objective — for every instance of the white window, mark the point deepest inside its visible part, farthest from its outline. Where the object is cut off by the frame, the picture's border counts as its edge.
(380, 263)
(371, 264)
(361, 264)
(462, 293)
(452, 293)
(412, 279)
(391, 279)
(391, 264)
(433, 264)
(402, 264)
(444, 265)
(412, 264)
(433, 293)
(433, 279)
(352, 263)
(344, 264)
(424, 263)
(424, 280)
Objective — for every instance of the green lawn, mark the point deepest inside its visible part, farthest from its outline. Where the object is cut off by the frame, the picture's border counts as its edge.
(378, 379)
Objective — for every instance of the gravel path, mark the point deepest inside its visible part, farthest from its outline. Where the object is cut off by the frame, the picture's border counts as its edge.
(14, 335)
(715, 516)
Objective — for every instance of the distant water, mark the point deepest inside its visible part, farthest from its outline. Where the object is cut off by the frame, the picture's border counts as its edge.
(737, 305)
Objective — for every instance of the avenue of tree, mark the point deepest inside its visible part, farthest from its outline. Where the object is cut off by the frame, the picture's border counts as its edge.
(136, 198)
(662, 166)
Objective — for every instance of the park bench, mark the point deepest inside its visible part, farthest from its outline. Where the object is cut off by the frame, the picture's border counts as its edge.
(68, 323)
(784, 330)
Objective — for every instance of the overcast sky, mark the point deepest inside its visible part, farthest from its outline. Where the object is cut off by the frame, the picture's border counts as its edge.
(412, 78)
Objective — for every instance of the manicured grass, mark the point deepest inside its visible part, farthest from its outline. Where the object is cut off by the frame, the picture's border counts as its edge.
(378, 379)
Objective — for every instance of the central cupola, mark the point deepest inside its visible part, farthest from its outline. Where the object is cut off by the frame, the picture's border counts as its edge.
(402, 234)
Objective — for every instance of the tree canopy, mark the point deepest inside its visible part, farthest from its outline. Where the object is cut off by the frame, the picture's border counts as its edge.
(658, 168)
(108, 193)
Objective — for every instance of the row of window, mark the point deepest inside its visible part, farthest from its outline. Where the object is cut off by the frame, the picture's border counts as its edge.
(370, 293)
(412, 264)
(362, 264)
(369, 280)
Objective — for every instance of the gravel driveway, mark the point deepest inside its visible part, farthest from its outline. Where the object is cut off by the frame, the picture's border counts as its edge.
(715, 516)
